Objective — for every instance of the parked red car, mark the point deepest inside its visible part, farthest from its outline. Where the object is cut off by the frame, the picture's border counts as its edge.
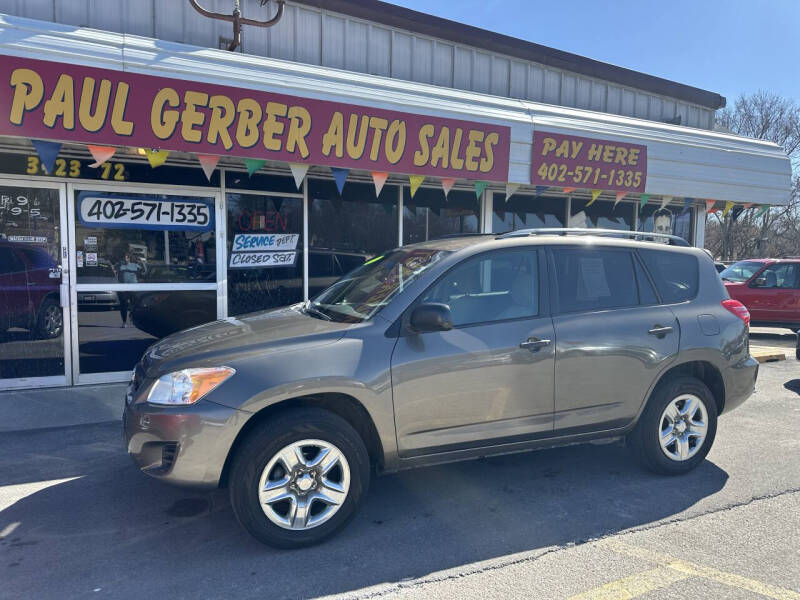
(769, 288)
(29, 290)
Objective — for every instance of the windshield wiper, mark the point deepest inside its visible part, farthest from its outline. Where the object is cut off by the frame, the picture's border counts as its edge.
(310, 309)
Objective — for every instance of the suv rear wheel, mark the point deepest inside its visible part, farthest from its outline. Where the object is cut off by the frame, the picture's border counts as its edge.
(677, 428)
(299, 478)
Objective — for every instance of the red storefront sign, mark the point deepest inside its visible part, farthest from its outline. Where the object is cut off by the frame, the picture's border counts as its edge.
(59, 101)
(572, 161)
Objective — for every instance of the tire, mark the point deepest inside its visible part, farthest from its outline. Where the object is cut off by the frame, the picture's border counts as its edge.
(265, 446)
(50, 320)
(677, 458)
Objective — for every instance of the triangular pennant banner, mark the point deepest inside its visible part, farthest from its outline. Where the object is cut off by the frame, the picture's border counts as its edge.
(379, 178)
(540, 189)
(687, 204)
(511, 189)
(710, 206)
(100, 154)
(643, 200)
(48, 152)
(595, 196)
(569, 190)
(339, 176)
(156, 158)
(447, 185)
(253, 165)
(415, 181)
(762, 209)
(299, 171)
(620, 196)
(479, 187)
(665, 200)
(209, 163)
(728, 207)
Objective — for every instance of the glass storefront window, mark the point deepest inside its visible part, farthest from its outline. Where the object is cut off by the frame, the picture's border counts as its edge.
(527, 212)
(31, 316)
(144, 238)
(345, 231)
(673, 220)
(265, 252)
(602, 215)
(429, 214)
(115, 328)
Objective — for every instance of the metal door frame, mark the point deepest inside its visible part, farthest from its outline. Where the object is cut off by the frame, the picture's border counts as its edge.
(65, 242)
(133, 188)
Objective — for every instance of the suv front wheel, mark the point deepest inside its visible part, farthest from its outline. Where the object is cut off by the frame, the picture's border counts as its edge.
(299, 478)
(677, 428)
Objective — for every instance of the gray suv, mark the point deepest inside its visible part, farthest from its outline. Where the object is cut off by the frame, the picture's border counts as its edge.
(441, 351)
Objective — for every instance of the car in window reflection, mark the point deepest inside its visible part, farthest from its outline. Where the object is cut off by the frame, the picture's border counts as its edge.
(164, 312)
(103, 272)
(29, 290)
(180, 273)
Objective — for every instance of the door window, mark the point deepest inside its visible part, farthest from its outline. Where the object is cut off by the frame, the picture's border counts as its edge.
(590, 279)
(493, 287)
(675, 274)
(780, 276)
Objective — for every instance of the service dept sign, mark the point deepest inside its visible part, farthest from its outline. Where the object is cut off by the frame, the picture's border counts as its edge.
(258, 250)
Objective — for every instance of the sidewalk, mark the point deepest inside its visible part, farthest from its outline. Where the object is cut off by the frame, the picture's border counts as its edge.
(22, 410)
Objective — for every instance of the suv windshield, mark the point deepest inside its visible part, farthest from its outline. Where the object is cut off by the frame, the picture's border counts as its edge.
(741, 271)
(364, 291)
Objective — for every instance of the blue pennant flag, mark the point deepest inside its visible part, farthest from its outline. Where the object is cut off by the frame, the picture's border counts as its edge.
(540, 189)
(687, 204)
(48, 152)
(339, 176)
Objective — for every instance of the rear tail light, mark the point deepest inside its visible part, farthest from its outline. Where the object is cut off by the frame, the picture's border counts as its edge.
(739, 309)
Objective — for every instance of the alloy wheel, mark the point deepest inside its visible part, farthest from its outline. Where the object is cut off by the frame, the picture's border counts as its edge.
(683, 427)
(304, 484)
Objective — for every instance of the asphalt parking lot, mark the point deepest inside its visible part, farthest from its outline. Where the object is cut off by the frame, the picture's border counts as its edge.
(78, 520)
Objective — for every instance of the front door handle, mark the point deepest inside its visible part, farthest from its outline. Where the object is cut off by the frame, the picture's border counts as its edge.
(660, 331)
(533, 344)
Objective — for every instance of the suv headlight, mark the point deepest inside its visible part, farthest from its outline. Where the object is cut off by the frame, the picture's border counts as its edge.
(187, 386)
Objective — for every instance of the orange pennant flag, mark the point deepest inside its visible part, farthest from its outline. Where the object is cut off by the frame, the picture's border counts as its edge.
(447, 184)
(620, 196)
(569, 190)
(208, 162)
(710, 206)
(100, 154)
(379, 178)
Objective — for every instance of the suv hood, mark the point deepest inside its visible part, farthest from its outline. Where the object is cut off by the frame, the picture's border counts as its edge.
(284, 329)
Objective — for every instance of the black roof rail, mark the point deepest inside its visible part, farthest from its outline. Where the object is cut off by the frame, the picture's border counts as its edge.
(642, 235)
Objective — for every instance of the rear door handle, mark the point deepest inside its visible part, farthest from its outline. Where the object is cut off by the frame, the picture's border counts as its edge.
(660, 331)
(534, 345)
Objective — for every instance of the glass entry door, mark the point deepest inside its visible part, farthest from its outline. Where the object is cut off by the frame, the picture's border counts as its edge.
(145, 266)
(34, 307)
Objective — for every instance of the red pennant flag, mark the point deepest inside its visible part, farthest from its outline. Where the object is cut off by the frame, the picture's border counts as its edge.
(569, 190)
(620, 196)
(100, 154)
(379, 178)
(447, 184)
(710, 206)
(209, 163)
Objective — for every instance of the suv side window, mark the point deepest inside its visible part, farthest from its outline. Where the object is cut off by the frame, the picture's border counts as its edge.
(782, 276)
(10, 262)
(492, 287)
(675, 274)
(591, 279)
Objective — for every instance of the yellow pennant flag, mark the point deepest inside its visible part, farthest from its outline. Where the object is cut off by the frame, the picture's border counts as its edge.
(595, 196)
(156, 158)
(415, 181)
(728, 207)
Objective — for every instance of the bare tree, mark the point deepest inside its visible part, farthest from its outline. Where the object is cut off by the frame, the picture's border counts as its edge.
(776, 232)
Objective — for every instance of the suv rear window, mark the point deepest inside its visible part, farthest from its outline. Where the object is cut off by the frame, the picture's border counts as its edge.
(674, 274)
(594, 279)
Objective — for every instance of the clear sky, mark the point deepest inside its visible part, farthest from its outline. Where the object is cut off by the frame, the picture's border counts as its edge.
(724, 46)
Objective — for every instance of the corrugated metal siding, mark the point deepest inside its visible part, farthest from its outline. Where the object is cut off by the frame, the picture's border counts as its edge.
(320, 37)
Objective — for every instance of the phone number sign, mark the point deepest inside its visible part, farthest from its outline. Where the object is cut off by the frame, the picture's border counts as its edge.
(573, 161)
(145, 212)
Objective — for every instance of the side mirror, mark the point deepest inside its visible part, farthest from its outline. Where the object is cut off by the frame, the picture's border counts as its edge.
(759, 282)
(433, 316)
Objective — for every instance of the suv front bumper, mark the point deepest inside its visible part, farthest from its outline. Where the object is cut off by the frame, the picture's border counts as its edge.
(184, 445)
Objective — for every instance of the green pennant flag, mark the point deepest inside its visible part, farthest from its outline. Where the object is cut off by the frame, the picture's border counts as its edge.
(253, 165)
(643, 200)
(762, 209)
(479, 187)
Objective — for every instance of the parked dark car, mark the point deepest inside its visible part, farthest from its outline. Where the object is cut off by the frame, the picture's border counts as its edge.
(29, 290)
(440, 351)
(769, 288)
(98, 300)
